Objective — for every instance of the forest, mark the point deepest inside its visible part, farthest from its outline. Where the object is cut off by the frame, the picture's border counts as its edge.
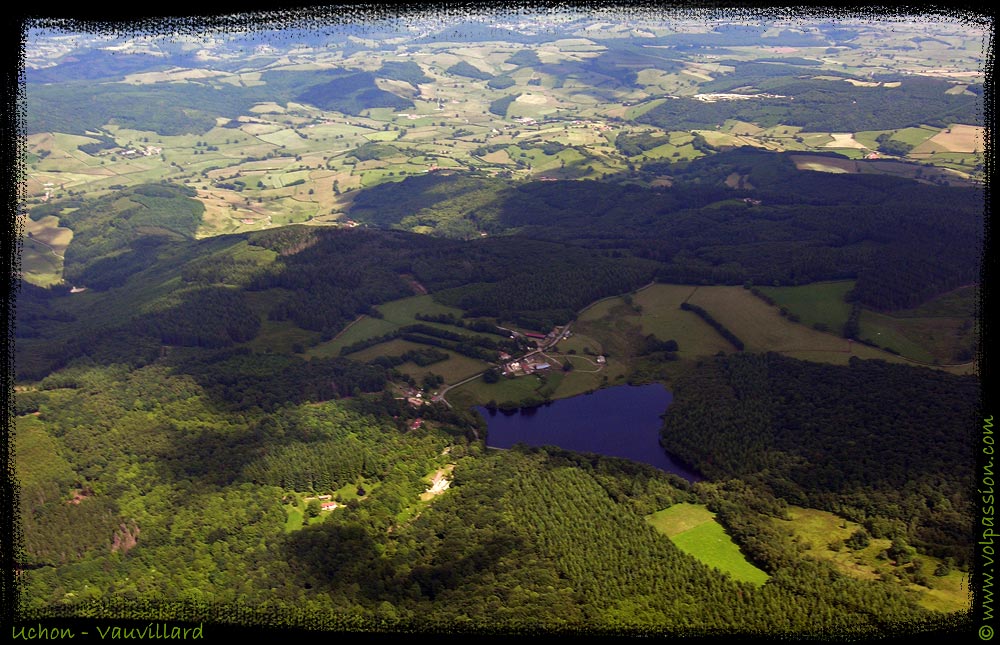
(852, 440)
(887, 232)
(916, 101)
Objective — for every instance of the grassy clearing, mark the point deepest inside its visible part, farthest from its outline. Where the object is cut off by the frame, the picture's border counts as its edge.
(928, 339)
(393, 347)
(816, 139)
(363, 329)
(696, 532)
(817, 530)
(580, 344)
(824, 164)
(763, 329)
(478, 392)
(915, 136)
(663, 317)
(960, 303)
(817, 303)
(455, 369)
(281, 337)
(403, 311)
(844, 140)
(679, 518)
(39, 266)
(960, 138)
(555, 384)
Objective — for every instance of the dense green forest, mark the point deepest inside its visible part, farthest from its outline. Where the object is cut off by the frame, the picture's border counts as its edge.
(112, 236)
(889, 233)
(352, 93)
(852, 440)
(818, 105)
(463, 68)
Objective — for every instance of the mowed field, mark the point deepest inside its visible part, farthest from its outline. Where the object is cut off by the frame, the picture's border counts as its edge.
(663, 317)
(940, 330)
(763, 329)
(817, 303)
(617, 327)
(395, 314)
(942, 339)
(825, 164)
(957, 138)
(456, 368)
(817, 530)
(694, 530)
(44, 245)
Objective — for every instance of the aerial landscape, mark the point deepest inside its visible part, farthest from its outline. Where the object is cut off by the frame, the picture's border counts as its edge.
(618, 321)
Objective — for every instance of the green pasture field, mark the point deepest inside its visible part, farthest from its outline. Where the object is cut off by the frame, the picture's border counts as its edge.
(958, 303)
(280, 337)
(735, 126)
(915, 136)
(763, 329)
(455, 369)
(867, 137)
(38, 265)
(366, 327)
(663, 317)
(41, 254)
(386, 135)
(404, 311)
(780, 131)
(479, 392)
(820, 302)
(927, 339)
(580, 343)
(816, 530)
(817, 139)
(288, 138)
(694, 529)
(396, 314)
(393, 347)
(555, 384)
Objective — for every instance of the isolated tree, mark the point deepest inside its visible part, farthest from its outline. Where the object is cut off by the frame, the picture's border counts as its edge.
(313, 508)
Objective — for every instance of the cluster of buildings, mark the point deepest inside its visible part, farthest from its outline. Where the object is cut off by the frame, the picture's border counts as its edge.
(527, 365)
(148, 151)
(326, 502)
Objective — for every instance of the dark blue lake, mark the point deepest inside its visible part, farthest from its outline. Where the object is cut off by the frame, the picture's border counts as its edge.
(622, 421)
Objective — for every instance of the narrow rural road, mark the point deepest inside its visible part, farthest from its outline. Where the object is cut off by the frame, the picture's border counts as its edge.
(46, 246)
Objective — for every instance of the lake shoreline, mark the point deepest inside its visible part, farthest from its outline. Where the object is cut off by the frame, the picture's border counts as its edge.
(622, 421)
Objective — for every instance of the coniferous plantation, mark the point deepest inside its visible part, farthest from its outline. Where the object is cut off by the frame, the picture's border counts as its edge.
(275, 288)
